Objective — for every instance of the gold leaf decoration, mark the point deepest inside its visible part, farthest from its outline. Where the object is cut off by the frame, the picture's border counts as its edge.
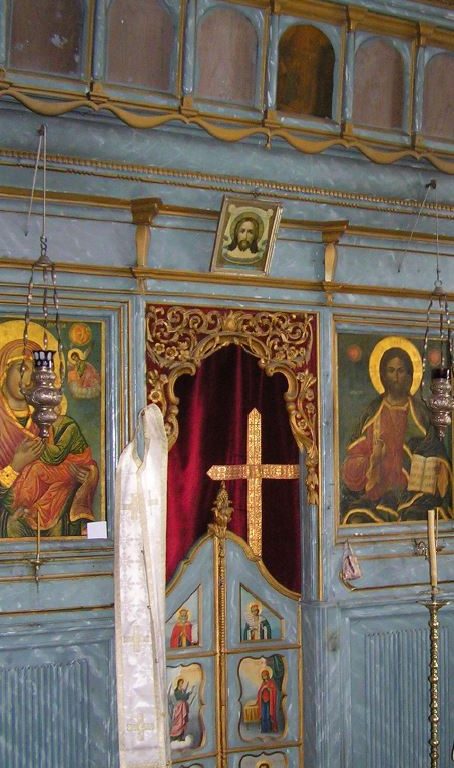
(179, 338)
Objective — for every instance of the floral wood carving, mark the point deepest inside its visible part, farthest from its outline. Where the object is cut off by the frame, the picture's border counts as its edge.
(180, 338)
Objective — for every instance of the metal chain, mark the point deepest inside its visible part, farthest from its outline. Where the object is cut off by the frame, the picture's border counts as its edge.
(26, 324)
(57, 322)
(47, 266)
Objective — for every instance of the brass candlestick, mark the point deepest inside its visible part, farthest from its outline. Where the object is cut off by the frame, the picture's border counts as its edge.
(37, 561)
(433, 606)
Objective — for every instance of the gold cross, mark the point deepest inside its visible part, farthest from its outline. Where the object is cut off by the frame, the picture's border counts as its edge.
(136, 639)
(139, 727)
(254, 472)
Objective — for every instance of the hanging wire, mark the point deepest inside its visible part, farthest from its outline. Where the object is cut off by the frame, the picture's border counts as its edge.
(438, 282)
(432, 184)
(440, 310)
(43, 129)
(438, 395)
(35, 173)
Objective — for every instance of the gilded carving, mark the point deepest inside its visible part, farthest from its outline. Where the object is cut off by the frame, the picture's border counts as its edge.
(222, 512)
(180, 338)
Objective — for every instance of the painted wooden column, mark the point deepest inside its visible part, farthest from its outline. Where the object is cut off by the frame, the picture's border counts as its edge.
(323, 726)
(354, 16)
(2, 38)
(189, 58)
(273, 63)
(424, 33)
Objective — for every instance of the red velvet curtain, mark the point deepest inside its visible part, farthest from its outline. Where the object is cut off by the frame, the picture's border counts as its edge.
(213, 411)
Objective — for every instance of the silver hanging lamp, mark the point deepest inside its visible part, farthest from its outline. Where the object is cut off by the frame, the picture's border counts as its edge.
(43, 395)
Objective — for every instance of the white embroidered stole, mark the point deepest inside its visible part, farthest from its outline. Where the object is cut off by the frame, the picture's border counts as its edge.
(140, 531)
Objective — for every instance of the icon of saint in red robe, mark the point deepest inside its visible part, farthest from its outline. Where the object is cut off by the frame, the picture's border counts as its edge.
(267, 702)
(181, 636)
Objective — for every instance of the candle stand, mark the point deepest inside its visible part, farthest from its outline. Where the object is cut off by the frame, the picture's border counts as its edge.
(434, 605)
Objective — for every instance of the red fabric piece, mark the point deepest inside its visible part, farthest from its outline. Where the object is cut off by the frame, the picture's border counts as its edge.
(44, 488)
(213, 410)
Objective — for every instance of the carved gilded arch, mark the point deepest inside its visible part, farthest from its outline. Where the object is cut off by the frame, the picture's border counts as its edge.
(179, 338)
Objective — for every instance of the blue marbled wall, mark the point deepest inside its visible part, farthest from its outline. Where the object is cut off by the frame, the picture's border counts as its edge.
(365, 646)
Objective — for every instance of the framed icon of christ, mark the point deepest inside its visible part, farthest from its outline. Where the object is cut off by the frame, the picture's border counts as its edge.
(392, 465)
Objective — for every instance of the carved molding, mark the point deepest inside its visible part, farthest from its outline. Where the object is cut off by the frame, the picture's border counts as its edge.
(178, 339)
(303, 139)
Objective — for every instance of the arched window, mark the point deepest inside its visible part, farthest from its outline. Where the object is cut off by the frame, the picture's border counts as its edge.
(46, 36)
(140, 41)
(378, 92)
(305, 72)
(438, 108)
(227, 50)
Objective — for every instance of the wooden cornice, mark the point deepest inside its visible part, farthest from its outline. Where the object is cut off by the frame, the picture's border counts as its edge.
(142, 274)
(145, 211)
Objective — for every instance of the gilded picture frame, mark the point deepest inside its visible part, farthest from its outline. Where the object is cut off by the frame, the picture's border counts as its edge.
(391, 466)
(246, 236)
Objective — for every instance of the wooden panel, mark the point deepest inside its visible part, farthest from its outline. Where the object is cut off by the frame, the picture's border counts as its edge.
(56, 692)
(378, 86)
(227, 50)
(216, 588)
(140, 41)
(390, 690)
(44, 715)
(396, 668)
(438, 110)
(46, 36)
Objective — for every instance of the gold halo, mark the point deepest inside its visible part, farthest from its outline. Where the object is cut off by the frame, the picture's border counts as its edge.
(377, 353)
(13, 330)
(255, 602)
(183, 608)
(81, 355)
(266, 669)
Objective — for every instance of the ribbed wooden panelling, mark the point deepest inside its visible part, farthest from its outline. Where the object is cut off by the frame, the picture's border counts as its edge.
(397, 696)
(44, 716)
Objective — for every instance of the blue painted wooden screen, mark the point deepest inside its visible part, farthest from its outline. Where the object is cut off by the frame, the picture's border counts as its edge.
(234, 660)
